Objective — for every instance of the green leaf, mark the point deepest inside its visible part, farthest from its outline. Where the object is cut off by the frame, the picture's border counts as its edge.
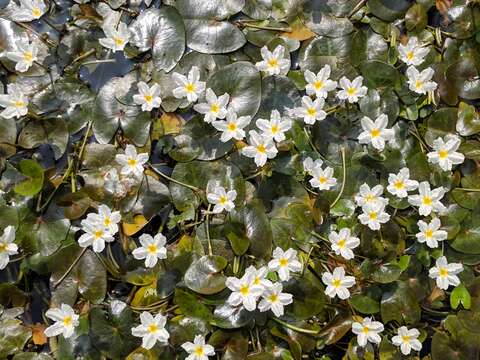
(33, 173)
(388, 10)
(13, 336)
(204, 275)
(241, 80)
(162, 31)
(416, 18)
(460, 295)
(468, 122)
(400, 303)
(365, 304)
(206, 32)
(379, 74)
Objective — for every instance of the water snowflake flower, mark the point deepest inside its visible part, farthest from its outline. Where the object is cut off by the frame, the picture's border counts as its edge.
(152, 249)
(274, 63)
(151, 330)
(65, 321)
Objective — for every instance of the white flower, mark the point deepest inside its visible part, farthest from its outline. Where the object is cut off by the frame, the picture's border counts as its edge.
(430, 233)
(311, 110)
(106, 217)
(65, 321)
(370, 196)
(24, 55)
(407, 340)
(116, 185)
(222, 199)
(148, 97)
(283, 262)
(274, 299)
(445, 152)
(420, 82)
(214, 108)
(95, 234)
(232, 126)
(15, 102)
(323, 178)
(152, 249)
(445, 273)
(337, 283)
(374, 215)
(274, 63)
(319, 84)
(7, 247)
(151, 330)
(29, 10)
(412, 53)
(367, 331)
(343, 242)
(244, 291)
(375, 133)
(309, 165)
(190, 86)
(399, 184)
(352, 90)
(116, 38)
(132, 163)
(274, 128)
(198, 350)
(260, 148)
(428, 200)
(259, 275)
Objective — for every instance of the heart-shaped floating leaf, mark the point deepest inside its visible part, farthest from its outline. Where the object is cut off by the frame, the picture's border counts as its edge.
(204, 275)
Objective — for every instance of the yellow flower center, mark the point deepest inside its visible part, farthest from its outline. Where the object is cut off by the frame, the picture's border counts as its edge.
(366, 330)
(232, 126)
(341, 243)
(337, 283)
(418, 84)
(406, 338)
(198, 351)
(272, 62)
(273, 298)
(372, 215)
(152, 249)
(98, 234)
(28, 56)
(283, 262)
(374, 133)
(274, 129)
(214, 108)
(322, 179)
(67, 320)
(318, 84)
(3, 247)
(261, 148)
(351, 91)
(190, 87)
(427, 200)
(442, 154)
(244, 290)
(19, 104)
(132, 162)
(107, 221)
(409, 55)
(256, 281)
(152, 328)
(369, 198)
(36, 12)
(429, 233)
(312, 111)
(399, 184)
(118, 41)
(223, 199)
(443, 272)
(148, 98)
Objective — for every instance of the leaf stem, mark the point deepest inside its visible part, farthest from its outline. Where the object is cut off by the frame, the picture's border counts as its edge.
(467, 189)
(207, 230)
(72, 265)
(191, 187)
(271, 28)
(343, 179)
(295, 328)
